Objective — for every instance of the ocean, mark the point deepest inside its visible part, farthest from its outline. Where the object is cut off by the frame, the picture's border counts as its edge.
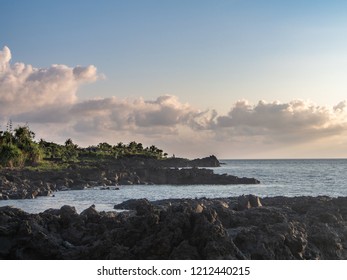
(287, 177)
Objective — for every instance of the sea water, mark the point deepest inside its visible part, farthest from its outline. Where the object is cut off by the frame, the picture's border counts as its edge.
(304, 177)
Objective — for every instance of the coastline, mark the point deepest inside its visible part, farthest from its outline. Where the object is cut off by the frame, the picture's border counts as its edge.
(238, 227)
(226, 228)
(29, 184)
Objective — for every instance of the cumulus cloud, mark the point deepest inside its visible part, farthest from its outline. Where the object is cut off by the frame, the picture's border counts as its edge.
(162, 115)
(5, 57)
(341, 107)
(294, 121)
(24, 88)
(46, 99)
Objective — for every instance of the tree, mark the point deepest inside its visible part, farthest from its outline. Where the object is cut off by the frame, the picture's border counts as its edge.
(69, 143)
(6, 138)
(24, 140)
(70, 152)
(34, 154)
(11, 156)
(105, 147)
(120, 145)
(118, 150)
(132, 147)
(24, 137)
(139, 148)
(51, 149)
(155, 152)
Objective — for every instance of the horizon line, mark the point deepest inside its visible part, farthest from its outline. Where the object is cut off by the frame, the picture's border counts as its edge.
(321, 158)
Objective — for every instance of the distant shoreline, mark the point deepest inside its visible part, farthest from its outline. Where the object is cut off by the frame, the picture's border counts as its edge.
(264, 159)
(134, 170)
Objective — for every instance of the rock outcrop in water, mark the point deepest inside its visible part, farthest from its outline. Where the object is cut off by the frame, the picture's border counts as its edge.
(22, 184)
(226, 228)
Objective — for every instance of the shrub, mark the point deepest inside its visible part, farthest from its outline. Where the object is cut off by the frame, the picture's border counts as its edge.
(11, 156)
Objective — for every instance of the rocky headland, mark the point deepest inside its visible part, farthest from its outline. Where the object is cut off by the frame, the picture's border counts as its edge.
(29, 183)
(245, 227)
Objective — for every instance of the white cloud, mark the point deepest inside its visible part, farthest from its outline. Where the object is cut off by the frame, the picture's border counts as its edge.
(265, 124)
(295, 121)
(164, 114)
(5, 57)
(341, 107)
(24, 88)
(46, 99)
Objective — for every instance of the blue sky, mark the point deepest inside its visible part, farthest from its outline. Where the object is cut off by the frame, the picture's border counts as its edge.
(207, 54)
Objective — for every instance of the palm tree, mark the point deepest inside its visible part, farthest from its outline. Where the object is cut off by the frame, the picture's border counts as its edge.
(71, 152)
(132, 147)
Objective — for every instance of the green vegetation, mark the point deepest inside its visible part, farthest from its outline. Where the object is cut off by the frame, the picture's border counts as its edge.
(19, 149)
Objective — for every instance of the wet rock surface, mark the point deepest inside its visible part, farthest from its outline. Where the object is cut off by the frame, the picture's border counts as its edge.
(268, 228)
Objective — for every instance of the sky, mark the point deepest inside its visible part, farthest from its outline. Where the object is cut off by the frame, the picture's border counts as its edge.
(234, 78)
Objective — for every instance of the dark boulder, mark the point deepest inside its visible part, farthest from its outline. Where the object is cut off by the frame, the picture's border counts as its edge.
(282, 228)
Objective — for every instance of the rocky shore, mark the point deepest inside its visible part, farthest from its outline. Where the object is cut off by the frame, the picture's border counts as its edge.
(245, 227)
(25, 183)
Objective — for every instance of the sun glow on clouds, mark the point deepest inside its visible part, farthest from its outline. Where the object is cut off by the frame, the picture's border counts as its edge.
(25, 88)
(46, 99)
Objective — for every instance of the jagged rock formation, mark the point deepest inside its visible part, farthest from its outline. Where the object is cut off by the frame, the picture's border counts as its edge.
(273, 228)
(21, 184)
